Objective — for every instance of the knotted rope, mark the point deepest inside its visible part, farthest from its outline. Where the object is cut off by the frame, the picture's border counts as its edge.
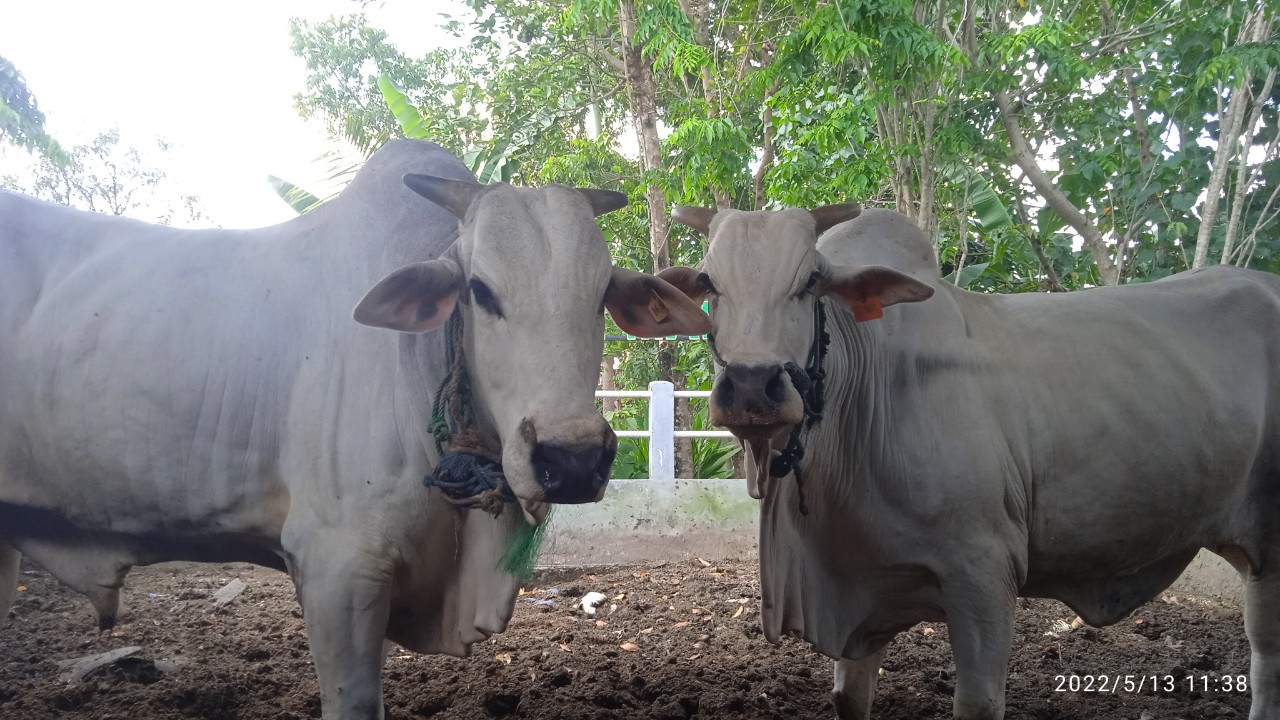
(470, 473)
(810, 384)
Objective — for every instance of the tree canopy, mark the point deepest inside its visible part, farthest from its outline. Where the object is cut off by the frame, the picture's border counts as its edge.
(104, 176)
(1042, 146)
(21, 121)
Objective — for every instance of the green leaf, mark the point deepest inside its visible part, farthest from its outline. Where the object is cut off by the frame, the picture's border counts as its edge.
(991, 212)
(968, 274)
(1183, 201)
(1049, 221)
(407, 115)
(297, 198)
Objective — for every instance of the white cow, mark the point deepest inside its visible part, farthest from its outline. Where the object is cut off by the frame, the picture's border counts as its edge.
(1078, 446)
(205, 395)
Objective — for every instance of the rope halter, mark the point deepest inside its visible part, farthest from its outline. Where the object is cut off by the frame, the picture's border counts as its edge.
(470, 473)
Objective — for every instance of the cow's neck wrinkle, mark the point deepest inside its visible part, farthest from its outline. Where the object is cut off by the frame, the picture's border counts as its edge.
(896, 387)
(854, 444)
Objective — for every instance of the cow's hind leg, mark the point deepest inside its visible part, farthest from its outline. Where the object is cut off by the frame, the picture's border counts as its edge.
(345, 604)
(1262, 625)
(9, 558)
(855, 686)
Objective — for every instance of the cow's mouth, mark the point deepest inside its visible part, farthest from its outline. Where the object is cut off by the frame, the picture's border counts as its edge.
(564, 467)
(759, 432)
(535, 512)
(762, 448)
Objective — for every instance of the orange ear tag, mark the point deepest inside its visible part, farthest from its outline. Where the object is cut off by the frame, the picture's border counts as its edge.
(868, 309)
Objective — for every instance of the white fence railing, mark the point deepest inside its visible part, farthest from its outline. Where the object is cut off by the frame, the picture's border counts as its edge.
(662, 431)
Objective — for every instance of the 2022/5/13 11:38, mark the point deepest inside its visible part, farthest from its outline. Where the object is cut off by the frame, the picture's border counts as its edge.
(1151, 683)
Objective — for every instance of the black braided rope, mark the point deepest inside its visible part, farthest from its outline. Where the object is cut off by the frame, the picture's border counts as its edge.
(810, 383)
(462, 475)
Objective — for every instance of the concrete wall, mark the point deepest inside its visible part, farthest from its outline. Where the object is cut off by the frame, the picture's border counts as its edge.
(649, 521)
(652, 521)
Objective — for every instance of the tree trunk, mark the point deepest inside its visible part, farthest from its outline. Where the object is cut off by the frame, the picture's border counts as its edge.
(697, 16)
(1267, 215)
(1229, 128)
(642, 89)
(766, 154)
(911, 120)
(1051, 281)
(1139, 116)
(1025, 158)
(684, 421)
(1253, 29)
(608, 381)
(1242, 167)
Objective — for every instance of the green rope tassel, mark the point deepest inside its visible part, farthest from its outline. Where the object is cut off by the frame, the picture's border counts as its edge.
(522, 550)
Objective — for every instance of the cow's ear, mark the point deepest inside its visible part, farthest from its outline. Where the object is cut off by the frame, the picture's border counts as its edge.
(828, 216)
(866, 290)
(603, 201)
(455, 196)
(698, 218)
(416, 298)
(646, 306)
(685, 279)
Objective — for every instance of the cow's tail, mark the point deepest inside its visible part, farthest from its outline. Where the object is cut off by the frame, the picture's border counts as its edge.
(8, 579)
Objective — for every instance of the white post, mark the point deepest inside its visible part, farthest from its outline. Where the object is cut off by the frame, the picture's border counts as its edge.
(662, 439)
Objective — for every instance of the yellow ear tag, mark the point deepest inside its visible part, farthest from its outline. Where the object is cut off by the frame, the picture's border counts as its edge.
(869, 309)
(658, 309)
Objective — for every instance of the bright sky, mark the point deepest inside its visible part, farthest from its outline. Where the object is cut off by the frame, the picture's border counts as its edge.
(215, 79)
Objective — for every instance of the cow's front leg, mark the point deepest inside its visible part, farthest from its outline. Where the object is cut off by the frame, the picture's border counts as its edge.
(345, 603)
(9, 559)
(855, 686)
(1262, 626)
(980, 621)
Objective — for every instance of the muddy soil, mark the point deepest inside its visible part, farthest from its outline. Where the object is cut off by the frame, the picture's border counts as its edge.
(679, 640)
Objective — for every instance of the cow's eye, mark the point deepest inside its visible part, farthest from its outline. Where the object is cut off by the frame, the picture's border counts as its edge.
(705, 284)
(485, 298)
(810, 284)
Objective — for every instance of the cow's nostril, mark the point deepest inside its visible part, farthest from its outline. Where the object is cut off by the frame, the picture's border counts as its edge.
(605, 468)
(776, 389)
(723, 391)
(544, 461)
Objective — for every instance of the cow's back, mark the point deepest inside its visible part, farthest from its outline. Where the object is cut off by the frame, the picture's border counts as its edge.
(1167, 399)
(1078, 408)
(155, 383)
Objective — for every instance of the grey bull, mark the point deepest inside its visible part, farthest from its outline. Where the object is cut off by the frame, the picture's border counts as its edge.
(206, 395)
(974, 448)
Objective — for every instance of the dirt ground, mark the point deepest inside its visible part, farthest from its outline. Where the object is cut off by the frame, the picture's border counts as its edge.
(675, 641)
